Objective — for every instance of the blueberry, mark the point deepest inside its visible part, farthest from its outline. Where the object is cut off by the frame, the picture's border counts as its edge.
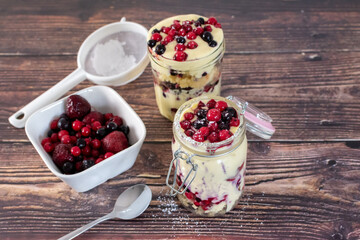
(198, 123)
(213, 43)
(87, 163)
(228, 113)
(63, 123)
(173, 72)
(155, 31)
(68, 167)
(204, 74)
(151, 43)
(201, 113)
(224, 125)
(64, 115)
(81, 143)
(180, 40)
(111, 126)
(50, 132)
(207, 36)
(160, 49)
(101, 133)
(201, 20)
(124, 129)
(79, 158)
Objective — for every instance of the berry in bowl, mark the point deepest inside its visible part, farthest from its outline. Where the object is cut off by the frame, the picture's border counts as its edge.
(210, 150)
(87, 138)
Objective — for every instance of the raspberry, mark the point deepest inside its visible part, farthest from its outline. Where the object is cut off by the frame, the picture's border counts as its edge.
(213, 114)
(182, 32)
(224, 134)
(211, 104)
(204, 131)
(221, 105)
(198, 137)
(185, 124)
(213, 126)
(234, 122)
(213, 137)
(189, 116)
(165, 30)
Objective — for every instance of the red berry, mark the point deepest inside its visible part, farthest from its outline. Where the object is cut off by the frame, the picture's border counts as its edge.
(66, 139)
(211, 21)
(213, 137)
(86, 151)
(185, 124)
(204, 131)
(75, 151)
(189, 132)
(95, 125)
(176, 26)
(165, 29)
(180, 56)
(189, 195)
(221, 105)
(118, 120)
(198, 30)
(78, 135)
(49, 147)
(54, 137)
(172, 32)
(192, 45)
(73, 139)
(87, 140)
(78, 166)
(107, 116)
(157, 37)
(213, 126)
(62, 133)
(53, 124)
(45, 140)
(168, 39)
(213, 114)
(77, 125)
(180, 47)
(201, 104)
(191, 35)
(187, 28)
(99, 160)
(96, 143)
(234, 122)
(224, 134)
(182, 32)
(211, 103)
(218, 25)
(208, 28)
(189, 116)
(198, 137)
(108, 154)
(95, 153)
(85, 131)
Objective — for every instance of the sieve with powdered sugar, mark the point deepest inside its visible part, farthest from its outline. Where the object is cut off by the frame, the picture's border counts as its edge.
(113, 55)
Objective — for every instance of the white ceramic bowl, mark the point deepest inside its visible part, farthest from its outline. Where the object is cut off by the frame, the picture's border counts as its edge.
(102, 99)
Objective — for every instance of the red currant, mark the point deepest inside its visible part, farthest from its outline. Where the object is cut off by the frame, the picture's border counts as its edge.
(95, 125)
(107, 116)
(45, 140)
(99, 160)
(77, 125)
(54, 137)
(218, 25)
(96, 143)
(75, 151)
(62, 133)
(49, 147)
(95, 153)
(66, 139)
(108, 154)
(213, 126)
(85, 131)
(86, 151)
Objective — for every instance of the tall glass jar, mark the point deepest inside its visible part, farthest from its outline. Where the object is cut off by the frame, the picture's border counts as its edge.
(209, 177)
(179, 79)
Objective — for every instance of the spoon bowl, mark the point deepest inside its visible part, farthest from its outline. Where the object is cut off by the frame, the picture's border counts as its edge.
(130, 204)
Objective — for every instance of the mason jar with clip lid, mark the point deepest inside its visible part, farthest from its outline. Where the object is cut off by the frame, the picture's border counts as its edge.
(209, 152)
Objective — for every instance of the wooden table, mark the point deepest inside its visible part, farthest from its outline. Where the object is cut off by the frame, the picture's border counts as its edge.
(297, 60)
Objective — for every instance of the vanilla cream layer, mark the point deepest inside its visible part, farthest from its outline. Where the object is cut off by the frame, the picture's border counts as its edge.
(212, 177)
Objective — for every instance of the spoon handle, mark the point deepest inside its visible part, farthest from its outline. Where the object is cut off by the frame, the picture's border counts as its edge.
(86, 227)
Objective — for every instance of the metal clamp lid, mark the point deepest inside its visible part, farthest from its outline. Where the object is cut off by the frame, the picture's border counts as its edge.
(257, 121)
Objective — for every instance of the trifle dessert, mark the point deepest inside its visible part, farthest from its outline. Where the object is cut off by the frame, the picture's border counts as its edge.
(186, 53)
(210, 149)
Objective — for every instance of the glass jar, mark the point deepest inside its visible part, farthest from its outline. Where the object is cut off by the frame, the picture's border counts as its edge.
(176, 82)
(209, 177)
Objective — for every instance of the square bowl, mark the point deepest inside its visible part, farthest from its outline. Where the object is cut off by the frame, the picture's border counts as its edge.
(102, 99)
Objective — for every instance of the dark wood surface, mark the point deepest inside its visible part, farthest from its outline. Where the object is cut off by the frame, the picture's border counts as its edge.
(297, 60)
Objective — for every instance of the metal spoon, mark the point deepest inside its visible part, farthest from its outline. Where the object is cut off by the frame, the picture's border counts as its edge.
(130, 204)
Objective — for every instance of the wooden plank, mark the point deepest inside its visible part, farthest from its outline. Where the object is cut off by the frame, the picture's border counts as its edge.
(308, 100)
(303, 190)
(255, 26)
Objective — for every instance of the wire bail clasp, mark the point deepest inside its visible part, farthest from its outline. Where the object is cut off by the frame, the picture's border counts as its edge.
(180, 155)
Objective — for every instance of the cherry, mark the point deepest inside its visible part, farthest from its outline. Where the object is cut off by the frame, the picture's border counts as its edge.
(192, 45)
(85, 131)
(211, 21)
(180, 47)
(224, 134)
(201, 104)
(108, 154)
(185, 124)
(49, 147)
(180, 56)
(189, 116)
(156, 36)
(75, 151)
(191, 35)
(198, 31)
(213, 114)
(77, 125)
(176, 26)
(221, 105)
